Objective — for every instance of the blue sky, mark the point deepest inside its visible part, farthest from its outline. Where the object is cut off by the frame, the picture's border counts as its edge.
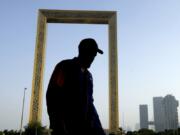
(148, 53)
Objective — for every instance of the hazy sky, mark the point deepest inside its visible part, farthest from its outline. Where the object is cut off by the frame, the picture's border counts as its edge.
(148, 54)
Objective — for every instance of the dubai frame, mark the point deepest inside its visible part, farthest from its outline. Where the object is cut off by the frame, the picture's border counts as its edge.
(81, 17)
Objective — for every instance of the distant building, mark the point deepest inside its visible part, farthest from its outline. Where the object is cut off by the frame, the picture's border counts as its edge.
(151, 125)
(171, 113)
(159, 116)
(165, 113)
(143, 111)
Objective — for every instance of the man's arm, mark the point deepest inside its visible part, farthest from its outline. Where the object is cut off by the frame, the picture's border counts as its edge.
(55, 90)
(55, 100)
(93, 116)
(95, 121)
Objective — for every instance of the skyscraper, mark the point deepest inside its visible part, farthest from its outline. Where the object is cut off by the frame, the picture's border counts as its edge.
(171, 113)
(143, 109)
(159, 116)
(165, 113)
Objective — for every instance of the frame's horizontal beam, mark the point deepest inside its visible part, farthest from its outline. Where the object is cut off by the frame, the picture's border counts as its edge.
(75, 20)
(74, 16)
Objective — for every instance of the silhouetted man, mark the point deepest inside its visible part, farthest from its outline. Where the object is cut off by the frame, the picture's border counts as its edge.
(70, 94)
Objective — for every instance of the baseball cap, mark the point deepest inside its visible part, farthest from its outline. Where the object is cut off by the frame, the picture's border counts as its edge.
(89, 45)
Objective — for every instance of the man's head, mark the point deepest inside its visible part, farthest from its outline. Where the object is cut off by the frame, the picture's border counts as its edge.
(88, 49)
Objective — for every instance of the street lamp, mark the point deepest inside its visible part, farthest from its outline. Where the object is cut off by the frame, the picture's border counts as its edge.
(22, 111)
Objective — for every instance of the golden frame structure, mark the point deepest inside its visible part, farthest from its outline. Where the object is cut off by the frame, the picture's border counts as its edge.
(81, 17)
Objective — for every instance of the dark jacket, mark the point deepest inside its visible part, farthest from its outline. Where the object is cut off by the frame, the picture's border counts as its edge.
(70, 101)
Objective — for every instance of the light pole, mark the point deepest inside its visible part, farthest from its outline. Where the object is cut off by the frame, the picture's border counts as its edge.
(22, 111)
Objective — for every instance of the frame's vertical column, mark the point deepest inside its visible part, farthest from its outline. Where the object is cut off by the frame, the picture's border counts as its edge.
(113, 76)
(37, 82)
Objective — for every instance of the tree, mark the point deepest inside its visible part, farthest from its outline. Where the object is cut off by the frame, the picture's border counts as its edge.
(146, 132)
(34, 129)
(1, 133)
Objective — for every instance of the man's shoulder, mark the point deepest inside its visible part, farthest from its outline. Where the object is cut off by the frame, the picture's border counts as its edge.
(89, 74)
(67, 63)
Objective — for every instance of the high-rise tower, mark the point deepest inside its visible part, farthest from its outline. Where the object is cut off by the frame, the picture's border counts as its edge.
(165, 113)
(143, 109)
(171, 113)
(159, 116)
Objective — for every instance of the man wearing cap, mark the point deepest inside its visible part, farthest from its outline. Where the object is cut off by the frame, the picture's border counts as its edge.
(70, 94)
